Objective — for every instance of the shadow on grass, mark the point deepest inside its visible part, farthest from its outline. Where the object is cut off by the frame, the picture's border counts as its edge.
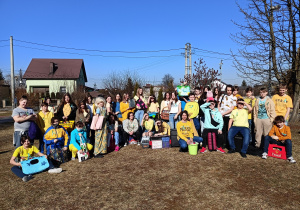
(3, 152)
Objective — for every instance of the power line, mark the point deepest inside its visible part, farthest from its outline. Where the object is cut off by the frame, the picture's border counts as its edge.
(5, 40)
(106, 51)
(107, 56)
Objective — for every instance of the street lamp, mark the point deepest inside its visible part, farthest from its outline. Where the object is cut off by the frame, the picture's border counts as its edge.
(272, 8)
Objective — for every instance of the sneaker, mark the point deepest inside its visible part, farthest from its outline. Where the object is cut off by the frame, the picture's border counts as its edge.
(27, 178)
(73, 158)
(55, 170)
(264, 155)
(138, 143)
(117, 148)
(125, 144)
(203, 150)
(231, 151)
(243, 155)
(291, 160)
(220, 150)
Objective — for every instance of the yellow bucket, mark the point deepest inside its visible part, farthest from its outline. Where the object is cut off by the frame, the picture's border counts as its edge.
(193, 148)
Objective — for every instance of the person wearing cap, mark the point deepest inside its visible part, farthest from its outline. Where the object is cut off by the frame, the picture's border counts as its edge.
(213, 123)
(239, 123)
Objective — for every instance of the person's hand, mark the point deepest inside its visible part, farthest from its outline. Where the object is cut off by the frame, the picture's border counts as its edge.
(80, 151)
(65, 148)
(252, 97)
(46, 156)
(111, 132)
(189, 141)
(275, 137)
(55, 140)
(19, 164)
(87, 120)
(80, 134)
(219, 132)
(175, 117)
(131, 133)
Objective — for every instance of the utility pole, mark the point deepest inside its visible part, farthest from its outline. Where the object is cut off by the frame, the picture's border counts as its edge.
(12, 74)
(188, 59)
(221, 64)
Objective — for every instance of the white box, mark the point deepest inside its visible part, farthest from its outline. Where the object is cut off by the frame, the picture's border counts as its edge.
(156, 144)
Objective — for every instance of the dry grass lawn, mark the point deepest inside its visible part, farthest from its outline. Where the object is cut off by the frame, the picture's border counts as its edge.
(136, 178)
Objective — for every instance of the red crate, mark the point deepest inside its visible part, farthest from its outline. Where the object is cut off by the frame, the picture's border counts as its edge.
(277, 151)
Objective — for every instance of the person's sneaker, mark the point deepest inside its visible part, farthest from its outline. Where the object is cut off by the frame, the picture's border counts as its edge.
(291, 160)
(73, 158)
(117, 148)
(264, 155)
(98, 156)
(55, 170)
(125, 144)
(220, 150)
(138, 143)
(231, 151)
(243, 155)
(27, 178)
(203, 150)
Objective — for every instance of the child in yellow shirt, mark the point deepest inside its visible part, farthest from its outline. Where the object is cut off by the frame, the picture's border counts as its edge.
(185, 132)
(280, 134)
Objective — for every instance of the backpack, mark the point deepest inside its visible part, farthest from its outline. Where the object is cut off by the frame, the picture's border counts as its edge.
(33, 131)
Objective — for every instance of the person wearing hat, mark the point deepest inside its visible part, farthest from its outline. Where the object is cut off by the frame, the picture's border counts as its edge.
(213, 123)
(239, 123)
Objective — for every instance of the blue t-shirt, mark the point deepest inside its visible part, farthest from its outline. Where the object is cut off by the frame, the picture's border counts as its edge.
(116, 108)
(262, 112)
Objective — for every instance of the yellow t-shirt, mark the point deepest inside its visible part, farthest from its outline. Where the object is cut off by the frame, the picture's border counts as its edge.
(148, 124)
(248, 101)
(282, 103)
(67, 110)
(184, 130)
(44, 120)
(192, 108)
(240, 118)
(23, 153)
(153, 107)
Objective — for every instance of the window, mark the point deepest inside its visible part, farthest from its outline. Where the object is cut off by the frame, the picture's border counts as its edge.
(63, 89)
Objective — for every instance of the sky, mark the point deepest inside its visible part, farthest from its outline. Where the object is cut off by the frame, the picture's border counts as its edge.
(113, 34)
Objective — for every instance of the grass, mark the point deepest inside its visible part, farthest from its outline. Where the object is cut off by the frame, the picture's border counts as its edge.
(136, 178)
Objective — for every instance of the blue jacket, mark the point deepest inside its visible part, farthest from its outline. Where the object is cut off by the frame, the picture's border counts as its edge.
(217, 116)
(75, 138)
(60, 134)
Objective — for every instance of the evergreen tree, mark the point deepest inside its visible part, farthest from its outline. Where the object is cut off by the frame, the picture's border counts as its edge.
(2, 79)
(151, 91)
(244, 84)
(136, 87)
(160, 96)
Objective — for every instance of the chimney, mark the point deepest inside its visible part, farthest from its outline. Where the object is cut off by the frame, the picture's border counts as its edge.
(52, 68)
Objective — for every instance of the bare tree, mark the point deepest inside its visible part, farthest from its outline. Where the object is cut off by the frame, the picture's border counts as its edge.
(203, 75)
(269, 51)
(117, 82)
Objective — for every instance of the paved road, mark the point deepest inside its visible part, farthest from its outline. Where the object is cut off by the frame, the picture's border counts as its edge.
(6, 120)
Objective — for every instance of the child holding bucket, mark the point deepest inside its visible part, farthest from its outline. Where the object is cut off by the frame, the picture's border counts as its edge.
(185, 132)
(280, 134)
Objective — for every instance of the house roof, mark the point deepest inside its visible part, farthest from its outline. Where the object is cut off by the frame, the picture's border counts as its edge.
(61, 69)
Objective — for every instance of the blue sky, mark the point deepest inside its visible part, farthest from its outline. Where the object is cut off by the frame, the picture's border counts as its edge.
(118, 25)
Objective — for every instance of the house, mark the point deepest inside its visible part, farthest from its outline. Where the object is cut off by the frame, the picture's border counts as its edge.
(55, 75)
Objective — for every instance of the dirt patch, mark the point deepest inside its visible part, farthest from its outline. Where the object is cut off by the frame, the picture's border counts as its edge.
(136, 178)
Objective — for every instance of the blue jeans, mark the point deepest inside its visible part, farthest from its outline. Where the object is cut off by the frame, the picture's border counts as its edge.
(42, 144)
(172, 121)
(287, 143)
(196, 123)
(184, 145)
(245, 133)
(116, 137)
(139, 114)
(18, 170)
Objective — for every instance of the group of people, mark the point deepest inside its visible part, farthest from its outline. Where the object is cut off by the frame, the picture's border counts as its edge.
(202, 115)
